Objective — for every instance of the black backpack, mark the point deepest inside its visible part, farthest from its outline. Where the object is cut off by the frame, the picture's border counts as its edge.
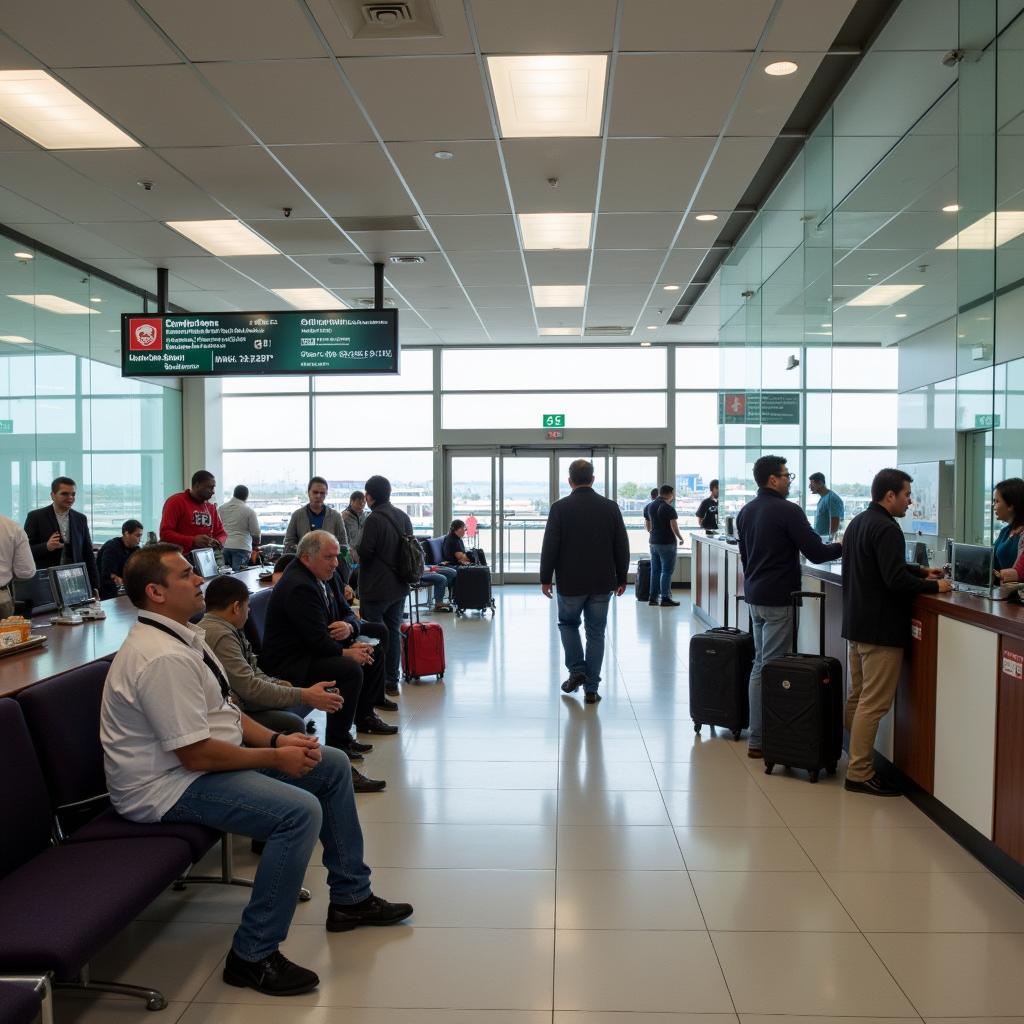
(410, 565)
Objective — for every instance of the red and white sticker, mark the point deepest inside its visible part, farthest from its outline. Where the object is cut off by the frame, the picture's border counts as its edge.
(915, 628)
(1013, 664)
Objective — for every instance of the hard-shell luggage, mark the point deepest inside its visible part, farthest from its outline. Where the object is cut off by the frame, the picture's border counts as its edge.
(720, 664)
(471, 590)
(422, 648)
(643, 579)
(802, 706)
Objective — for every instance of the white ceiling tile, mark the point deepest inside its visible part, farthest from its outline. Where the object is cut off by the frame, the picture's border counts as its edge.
(539, 26)
(200, 301)
(643, 175)
(148, 239)
(272, 271)
(735, 164)
(10, 139)
(470, 183)
(245, 179)
(303, 236)
(682, 265)
(521, 317)
(449, 296)
(463, 337)
(495, 232)
(693, 24)
(433, 272)
(340, 271)
(616, 295)
(454, 34)
(700, 234)
(15, 209)
(490, 298)
(404, 97)
(75, 240)
(379, 245)
(555, 317)
(573, 163)
(488, 268)
(100, 33)
(162, 106)
(236, 29)
(202, 272)
(635, 230)
(140, 273)
(446, 319)
(558, 267)
(703, 88)
(808, 24)
(768, 100)
(348, 180)
(13, 56)
(627, 266)
(291, 101)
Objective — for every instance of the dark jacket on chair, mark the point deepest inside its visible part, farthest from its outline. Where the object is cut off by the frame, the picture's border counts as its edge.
(378, 554)
(585, 545)
(41, 525)
(296, 632)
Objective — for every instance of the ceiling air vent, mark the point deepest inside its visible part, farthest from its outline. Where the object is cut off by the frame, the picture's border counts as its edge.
(607, 332)
(366, 302)
(405, 259)
(388, 19)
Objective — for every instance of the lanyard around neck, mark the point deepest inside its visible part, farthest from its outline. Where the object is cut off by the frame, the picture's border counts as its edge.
(207, 660)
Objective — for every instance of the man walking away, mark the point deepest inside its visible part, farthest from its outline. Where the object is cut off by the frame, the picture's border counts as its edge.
(664, 539)
(586, 552)
(773, 534)
(647, 509)
(707, 510)
(243, 529)
(828, 516)
(878, 589)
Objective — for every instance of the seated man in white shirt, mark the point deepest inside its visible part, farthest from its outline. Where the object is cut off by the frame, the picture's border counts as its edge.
(176, 749)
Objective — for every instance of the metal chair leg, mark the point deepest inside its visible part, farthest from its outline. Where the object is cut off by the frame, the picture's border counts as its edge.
(227, 874)
(154, 1000)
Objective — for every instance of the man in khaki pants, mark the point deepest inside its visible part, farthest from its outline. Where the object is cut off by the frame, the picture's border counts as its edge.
(878, 591)
(16, 562)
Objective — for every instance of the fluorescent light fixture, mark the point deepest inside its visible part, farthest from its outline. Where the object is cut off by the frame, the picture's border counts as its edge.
(24, 256)
(884, 294)
(558, 331)
(37, 105)
(900, 316)
(781, 67)
(645, 344)
(707, 216)
(992, 229)
(549, 96)
(671, 288)
(309, 298)
(555, 230)
(546, 295)
(54, 304)
(95, 298)
(952, 208)
(223, 237)
(15, 339)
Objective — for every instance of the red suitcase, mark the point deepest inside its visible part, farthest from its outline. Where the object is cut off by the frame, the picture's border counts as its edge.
(422, 649)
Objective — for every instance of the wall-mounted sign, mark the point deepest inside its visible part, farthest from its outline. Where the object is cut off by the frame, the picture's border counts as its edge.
(554, 419)
(986, 421)
(238, 344)
(1013, 665)
(770, 408)
(6, 426)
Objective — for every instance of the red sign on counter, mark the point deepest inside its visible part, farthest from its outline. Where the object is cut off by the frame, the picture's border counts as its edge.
(915, 629)
(1013, 665)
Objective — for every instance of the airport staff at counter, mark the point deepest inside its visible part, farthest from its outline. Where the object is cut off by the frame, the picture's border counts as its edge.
(190, 519)
(1008, 507)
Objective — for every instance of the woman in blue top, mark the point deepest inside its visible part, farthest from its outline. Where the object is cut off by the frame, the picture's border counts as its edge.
(1008, 506)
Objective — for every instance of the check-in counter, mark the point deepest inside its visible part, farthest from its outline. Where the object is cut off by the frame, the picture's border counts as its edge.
(956, 733)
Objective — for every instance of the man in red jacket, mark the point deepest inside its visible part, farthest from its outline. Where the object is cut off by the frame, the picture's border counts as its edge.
(190, 519)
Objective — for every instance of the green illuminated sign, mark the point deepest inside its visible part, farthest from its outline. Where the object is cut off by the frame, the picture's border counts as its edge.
(6, 426)
(554, 419)
(759, 407)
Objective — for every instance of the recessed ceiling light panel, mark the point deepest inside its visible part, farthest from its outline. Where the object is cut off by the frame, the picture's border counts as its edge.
(558, 331)
(54, 304)
(992, 229)
(781, 68)
(707, 216)
(37, 105)
(884, 294)
(952, 208)
(555, 230)
(549, 96)
(24, 256)
(309, 298)
(552, 295)
(671, 288)
(15, 339)
(223, 237)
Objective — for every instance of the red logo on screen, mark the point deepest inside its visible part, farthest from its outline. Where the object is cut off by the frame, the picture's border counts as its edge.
(145, 335)
(735, 405)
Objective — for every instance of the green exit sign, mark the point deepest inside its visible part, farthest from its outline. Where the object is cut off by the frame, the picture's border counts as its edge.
(554, 419)
(986, 421)
(6, 426)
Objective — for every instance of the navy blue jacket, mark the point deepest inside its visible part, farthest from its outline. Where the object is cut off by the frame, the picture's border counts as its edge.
(774, 533)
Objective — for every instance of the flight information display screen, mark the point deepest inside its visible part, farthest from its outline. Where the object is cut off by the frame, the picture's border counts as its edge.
(240, 344)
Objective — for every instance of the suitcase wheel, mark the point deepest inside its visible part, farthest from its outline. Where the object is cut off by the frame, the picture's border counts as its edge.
(813, 775)
(697, 726)
(440, 676)
(737, 733)
(768, 766)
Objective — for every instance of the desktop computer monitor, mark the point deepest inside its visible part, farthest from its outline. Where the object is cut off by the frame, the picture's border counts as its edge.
(972, 568)
(36, 593)
(205, 561)
(70, 585)
(917, 553)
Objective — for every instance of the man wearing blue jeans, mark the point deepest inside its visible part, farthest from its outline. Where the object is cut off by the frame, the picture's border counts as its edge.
(664, 540)
(773, 534)
(177, 750)
(586, 552)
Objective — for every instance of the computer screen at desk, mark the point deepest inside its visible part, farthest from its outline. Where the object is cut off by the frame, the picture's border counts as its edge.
(71, 587)
(205, 561)
(972, 568)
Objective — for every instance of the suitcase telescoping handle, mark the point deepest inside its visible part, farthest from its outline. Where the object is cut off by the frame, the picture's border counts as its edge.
(798, 596)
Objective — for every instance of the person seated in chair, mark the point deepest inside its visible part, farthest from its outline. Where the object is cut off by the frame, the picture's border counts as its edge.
(114, 556)
(176, 749)
(453, 549)
(441, 578)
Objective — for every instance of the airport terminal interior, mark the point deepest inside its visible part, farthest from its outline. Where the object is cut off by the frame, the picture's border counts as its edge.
(665, 236)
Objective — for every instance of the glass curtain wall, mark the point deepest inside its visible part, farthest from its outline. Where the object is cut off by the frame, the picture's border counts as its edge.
(65, 410)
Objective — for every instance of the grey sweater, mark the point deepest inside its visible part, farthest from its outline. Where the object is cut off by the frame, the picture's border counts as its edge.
(299, 526)
(255, 690)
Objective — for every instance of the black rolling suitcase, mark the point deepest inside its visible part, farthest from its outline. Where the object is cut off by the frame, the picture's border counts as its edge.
(643, 579)
(720, 664)
(471, 590)
(802, 706)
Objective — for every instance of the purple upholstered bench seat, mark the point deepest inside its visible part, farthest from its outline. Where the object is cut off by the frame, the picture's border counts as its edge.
(19, 1004)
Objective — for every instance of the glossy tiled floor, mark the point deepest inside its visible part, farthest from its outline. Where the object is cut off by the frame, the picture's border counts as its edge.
(603, 865)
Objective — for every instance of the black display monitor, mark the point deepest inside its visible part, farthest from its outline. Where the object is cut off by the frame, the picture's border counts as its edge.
(205, 562)
(972, 568)
(917, 553)
(70, 585)
(35, 593)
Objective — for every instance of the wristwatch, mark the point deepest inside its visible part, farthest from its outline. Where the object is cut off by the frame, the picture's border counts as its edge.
(274, 738)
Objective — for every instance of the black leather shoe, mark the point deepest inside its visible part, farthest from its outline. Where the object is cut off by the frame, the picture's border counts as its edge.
(361, 784)
(360, 748)
(667, 602)
(391, 689)
(573, 683)
(275, 975)
(387, 705)
(592, 698)
(654, 602)
(376, 726)
(372, 911)
(874, 786)
(352, 755)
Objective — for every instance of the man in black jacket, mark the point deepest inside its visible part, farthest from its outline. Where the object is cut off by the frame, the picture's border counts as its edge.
(878, 589)
(309, 637)
(381, 593)
(586, 551)
(58, 535)
(773, 533)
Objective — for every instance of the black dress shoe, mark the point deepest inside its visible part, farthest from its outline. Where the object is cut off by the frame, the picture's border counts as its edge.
(376, 726)
(275, 975)
(360, 748)
(592, 698)
(387, 705)
(391, 689)
(654, 602)
(352, 755)
(574, 682)
(874, 786)
(667, 602)
(372, 911)
(361, 784)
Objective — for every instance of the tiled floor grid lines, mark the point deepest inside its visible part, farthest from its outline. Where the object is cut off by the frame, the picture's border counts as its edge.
(603, 865)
